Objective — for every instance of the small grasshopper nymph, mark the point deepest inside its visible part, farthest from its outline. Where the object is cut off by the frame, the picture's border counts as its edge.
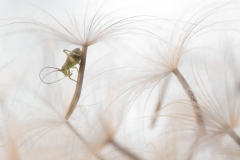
(73, 58)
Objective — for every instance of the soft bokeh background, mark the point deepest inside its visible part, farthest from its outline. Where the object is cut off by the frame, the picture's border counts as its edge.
(128, 78)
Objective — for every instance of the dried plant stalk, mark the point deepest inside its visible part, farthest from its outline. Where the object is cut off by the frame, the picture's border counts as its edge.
(159, 104)
(84, 141)
(79, 84)
(192, 97)
(197, 109)
(123, 150)
(234, 136)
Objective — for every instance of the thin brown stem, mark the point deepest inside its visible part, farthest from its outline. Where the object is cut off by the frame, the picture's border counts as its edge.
(84, 141)
(7, 64)
(197, 109)
(159, 104)
(158, 107)
(188, 90)
(79, 84)
(123, 150)
(234, 136)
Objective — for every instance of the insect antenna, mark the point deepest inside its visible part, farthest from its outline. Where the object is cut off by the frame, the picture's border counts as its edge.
(48, 74)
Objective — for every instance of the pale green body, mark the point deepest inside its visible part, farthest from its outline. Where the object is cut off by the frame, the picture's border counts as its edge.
(73, 58)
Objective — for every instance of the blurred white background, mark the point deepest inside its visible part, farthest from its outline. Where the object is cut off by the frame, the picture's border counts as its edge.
(124, 79)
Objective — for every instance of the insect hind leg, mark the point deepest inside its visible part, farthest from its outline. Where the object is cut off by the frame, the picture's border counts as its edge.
(65, 51)
(76, 54)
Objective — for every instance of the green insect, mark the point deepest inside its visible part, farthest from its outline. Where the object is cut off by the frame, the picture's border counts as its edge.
(73, 58)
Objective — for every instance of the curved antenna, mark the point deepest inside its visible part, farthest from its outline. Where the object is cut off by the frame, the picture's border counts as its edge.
(48, 74)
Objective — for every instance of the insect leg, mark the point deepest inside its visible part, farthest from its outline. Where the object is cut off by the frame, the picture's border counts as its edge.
(65, 51)
(69, 76)
(75, 68)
